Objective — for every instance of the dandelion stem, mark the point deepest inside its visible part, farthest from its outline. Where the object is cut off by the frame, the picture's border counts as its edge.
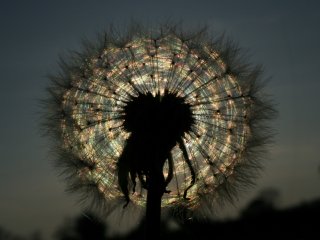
(153, 211)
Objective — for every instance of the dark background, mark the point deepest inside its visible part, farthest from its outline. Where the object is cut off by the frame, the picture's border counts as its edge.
(283, 36)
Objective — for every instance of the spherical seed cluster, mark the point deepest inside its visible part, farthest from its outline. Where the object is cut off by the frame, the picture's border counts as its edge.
(96, 90)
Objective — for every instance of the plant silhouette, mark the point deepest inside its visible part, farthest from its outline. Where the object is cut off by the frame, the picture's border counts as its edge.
(161, 117)
(156, 124)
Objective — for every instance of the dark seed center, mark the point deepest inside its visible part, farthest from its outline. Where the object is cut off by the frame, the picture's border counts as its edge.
(159, 120)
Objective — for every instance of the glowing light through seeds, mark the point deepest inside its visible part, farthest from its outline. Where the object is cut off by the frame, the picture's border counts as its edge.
(92, 124)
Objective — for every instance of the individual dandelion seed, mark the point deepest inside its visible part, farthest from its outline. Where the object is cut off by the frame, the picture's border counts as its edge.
(174, 114)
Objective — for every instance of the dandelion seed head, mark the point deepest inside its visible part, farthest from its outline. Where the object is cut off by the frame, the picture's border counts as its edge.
(94, 93)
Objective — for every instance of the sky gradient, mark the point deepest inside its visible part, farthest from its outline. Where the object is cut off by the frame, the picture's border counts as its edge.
(282, 36)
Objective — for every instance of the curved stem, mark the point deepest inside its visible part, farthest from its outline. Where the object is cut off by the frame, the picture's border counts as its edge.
(193, 174)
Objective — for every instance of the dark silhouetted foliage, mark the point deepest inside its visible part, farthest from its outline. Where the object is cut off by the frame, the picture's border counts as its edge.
(85, 227)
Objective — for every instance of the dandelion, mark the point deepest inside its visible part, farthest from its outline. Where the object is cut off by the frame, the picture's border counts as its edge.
(158, 118)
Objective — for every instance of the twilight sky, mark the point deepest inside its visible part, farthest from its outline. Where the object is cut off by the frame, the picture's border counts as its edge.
(283, 36)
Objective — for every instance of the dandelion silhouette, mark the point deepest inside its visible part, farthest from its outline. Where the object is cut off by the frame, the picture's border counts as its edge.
(161, 119)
